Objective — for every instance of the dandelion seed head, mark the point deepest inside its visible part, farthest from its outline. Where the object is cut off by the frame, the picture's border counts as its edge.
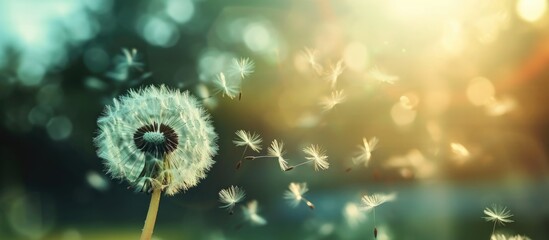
(226, 87)
(335, 71)
(374, 200)
(316, 154)
(277, 150)
(498, 214)
(311, 56)
(124, 63)
(231, 196)
(334, 99)
(156, 137)
(498, 237)
(381, 76)
(295, 193)
(252, 140)
(251, 215)
(130, 59)
(519, 237)
(503, 237)
(366, 149)
(243, 67)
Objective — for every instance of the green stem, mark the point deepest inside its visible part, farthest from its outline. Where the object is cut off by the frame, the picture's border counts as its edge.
(151, 215)
(239, 163)
(244, 152)
(258, 157)
(374, 217)
(493, 229)
(303, 163)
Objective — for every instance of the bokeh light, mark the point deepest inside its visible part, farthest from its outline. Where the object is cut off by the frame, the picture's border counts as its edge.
(480, 90)
(531, 10)
(31, 216)
(180, 11)
(159, 32)
(59, 127)
(97, 181)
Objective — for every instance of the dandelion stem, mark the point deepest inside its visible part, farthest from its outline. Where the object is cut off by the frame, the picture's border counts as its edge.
(375, 228)
(206, 98)
(151, 215)
(303, 163)
(374, 217)
(244, 152)
(241, 157)
(256, 157)
(493, 229)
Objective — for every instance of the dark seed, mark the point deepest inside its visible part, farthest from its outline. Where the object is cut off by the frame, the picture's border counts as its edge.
(238, 164)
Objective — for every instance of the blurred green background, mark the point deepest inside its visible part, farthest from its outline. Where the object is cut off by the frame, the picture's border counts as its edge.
(464, 126)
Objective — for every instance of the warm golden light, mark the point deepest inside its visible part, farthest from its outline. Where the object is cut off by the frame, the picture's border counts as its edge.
(402, 116)
(480, 91)
(355, 56)
(531, 10)
(409, 100)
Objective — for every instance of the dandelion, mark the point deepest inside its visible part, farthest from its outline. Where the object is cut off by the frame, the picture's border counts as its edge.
(380, 76)
(295, 194)
(310, 55)
(243, 67)
(158, 140)
(225, 87)
(498, 237)
(250, 214)
(497, 214)
(335, 98)
(519, 237)
(248, 140)
(230, 197)
(251, 140)
(276, 150)
(372, 201)
(365, 153)
(503, 237)
(336, 70)
(131, 59)
(316, 155)
(124, 63)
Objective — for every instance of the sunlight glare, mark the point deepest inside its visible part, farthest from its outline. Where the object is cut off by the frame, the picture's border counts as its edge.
(531, 10)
